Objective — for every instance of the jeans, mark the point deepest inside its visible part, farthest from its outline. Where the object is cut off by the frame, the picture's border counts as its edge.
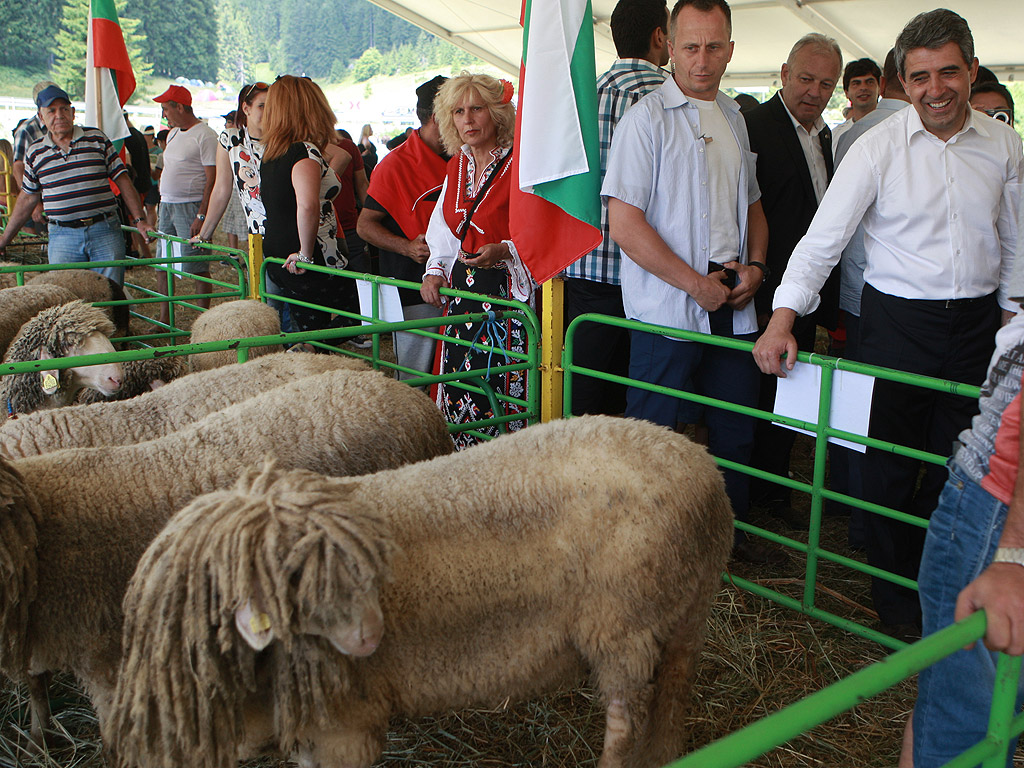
(102, 241)
(954, 695)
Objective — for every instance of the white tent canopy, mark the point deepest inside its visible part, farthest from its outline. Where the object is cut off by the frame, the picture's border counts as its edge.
(764, 30)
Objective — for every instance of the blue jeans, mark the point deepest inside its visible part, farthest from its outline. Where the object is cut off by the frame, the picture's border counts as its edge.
(102, 241)
(726, 374)
(954, 695)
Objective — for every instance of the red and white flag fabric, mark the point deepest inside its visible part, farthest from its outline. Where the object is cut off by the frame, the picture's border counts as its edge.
(109, 80)
(555, 208)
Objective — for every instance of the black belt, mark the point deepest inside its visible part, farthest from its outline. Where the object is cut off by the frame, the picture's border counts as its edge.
(80, 223)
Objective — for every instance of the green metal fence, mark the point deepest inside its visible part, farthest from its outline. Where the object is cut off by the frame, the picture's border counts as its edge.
(775, 730)
(474, 380)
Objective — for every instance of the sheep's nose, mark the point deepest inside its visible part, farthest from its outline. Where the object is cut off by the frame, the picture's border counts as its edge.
(115, 382)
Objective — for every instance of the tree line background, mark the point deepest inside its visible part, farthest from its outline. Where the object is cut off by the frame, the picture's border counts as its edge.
(223, 39)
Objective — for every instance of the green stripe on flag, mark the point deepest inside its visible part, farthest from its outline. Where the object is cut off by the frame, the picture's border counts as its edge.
(104, 9)
(580, 195)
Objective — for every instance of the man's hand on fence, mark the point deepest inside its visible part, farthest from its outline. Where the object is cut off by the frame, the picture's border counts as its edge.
(1000, 591)
(776, 341)
(146, 230)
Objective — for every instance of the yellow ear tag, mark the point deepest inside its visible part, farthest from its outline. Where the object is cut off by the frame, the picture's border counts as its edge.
(50, 382)
(259, 622)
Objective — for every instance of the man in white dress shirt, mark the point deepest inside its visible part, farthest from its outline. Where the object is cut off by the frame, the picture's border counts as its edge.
(936, 189)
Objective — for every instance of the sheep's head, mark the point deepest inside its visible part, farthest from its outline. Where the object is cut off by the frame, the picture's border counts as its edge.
(281, 562)
(66, 330)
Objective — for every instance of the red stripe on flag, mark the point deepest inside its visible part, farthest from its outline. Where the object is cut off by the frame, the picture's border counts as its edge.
(109, 51)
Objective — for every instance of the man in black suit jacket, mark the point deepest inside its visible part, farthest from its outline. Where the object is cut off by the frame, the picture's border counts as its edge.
(794, 165)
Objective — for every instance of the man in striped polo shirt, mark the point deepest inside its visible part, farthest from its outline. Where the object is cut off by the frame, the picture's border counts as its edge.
(69, 168)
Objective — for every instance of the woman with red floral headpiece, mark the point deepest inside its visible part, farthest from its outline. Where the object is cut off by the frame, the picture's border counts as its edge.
(470, 245)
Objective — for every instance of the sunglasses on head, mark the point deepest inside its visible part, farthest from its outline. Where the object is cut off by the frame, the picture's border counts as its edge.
(253, 88)
(1000, 113)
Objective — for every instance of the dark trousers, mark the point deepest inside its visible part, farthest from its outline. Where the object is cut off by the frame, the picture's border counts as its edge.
(601, 347)
(316, 288)
(950, 340)
(773, 445)
(726, 374)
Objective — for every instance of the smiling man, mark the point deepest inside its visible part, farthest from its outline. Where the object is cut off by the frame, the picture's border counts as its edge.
(936, 188)
(684, 207)
(69, 169)
(861, 84)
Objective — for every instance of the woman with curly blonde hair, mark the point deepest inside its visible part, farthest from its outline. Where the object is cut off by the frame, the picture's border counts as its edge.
(297, 186)
(471, 248)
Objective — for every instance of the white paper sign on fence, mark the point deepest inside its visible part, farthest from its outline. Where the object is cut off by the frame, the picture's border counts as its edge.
(797, 397)
(390, 307)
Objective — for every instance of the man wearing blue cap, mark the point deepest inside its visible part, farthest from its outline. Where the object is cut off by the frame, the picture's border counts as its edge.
(68, 169)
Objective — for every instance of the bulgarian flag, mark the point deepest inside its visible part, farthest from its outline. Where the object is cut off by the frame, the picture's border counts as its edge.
(555, 210)
(109, 80)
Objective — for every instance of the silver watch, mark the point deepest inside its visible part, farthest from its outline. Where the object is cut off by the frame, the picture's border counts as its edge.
(1009, 555)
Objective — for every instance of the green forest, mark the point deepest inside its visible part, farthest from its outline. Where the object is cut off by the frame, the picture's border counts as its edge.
(230, 40)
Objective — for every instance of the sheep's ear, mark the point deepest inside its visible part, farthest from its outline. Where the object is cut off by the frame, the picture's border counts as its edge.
(254, 626)
(48, 380)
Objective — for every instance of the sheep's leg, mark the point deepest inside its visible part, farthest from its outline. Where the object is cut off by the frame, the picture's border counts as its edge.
(39, 706)
(618, 731)
(662, 736)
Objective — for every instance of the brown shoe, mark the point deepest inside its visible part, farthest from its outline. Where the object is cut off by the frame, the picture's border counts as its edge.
(757, 552)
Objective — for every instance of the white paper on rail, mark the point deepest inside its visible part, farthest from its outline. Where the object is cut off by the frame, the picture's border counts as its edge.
(390, 307)
(797, 397)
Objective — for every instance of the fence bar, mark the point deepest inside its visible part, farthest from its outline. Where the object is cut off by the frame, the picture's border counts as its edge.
(778, 728)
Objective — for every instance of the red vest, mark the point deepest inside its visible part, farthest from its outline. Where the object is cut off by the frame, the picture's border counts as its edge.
(490, 219)
(403, 182)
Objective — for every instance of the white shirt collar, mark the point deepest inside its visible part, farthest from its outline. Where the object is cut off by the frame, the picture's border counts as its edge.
(914, 126)
(816, 128)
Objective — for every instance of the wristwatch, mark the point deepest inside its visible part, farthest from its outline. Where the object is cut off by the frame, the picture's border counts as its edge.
(765, 271)
(136, 221)
(201, 216)
(1009, 555)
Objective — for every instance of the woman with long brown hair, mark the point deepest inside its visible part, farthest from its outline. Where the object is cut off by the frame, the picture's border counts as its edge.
(297, 187)
(470, 244)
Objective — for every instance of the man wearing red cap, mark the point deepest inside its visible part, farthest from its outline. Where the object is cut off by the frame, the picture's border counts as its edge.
(190, 165)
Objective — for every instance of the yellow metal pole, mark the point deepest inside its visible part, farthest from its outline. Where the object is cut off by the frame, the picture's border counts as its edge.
(255, 263)
(552, 341)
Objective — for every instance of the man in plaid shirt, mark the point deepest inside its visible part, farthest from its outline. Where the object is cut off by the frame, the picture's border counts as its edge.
(640, 33)
(25, 134)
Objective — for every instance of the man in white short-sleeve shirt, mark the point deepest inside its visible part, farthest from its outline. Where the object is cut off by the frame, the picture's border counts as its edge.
(936, 188)
(190, 167)
(683, 205)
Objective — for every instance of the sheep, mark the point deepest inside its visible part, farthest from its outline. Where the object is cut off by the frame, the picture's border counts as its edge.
(73, 525)
(233, 320)
(162, 411)
(21, 303)
(502, 571)
(9, 279)
(90, 287)
(66, 330)
(140, 377)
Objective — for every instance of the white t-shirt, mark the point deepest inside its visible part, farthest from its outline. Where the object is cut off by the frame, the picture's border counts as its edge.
(183, 178)
(723, 181)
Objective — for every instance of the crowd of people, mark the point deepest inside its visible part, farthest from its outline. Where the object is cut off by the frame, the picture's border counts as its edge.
(720, 215)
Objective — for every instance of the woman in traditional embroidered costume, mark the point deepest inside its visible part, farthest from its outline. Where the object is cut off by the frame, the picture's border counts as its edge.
(470, 245)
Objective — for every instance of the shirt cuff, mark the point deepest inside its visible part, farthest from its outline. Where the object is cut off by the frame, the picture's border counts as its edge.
(800, 300)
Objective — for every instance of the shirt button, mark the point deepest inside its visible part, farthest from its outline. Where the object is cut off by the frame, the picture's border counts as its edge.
(703, 215)
(954, 217)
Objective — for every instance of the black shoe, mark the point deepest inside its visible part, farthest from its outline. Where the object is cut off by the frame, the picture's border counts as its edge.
(757, 552)
(907, 633)
(791, 518)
